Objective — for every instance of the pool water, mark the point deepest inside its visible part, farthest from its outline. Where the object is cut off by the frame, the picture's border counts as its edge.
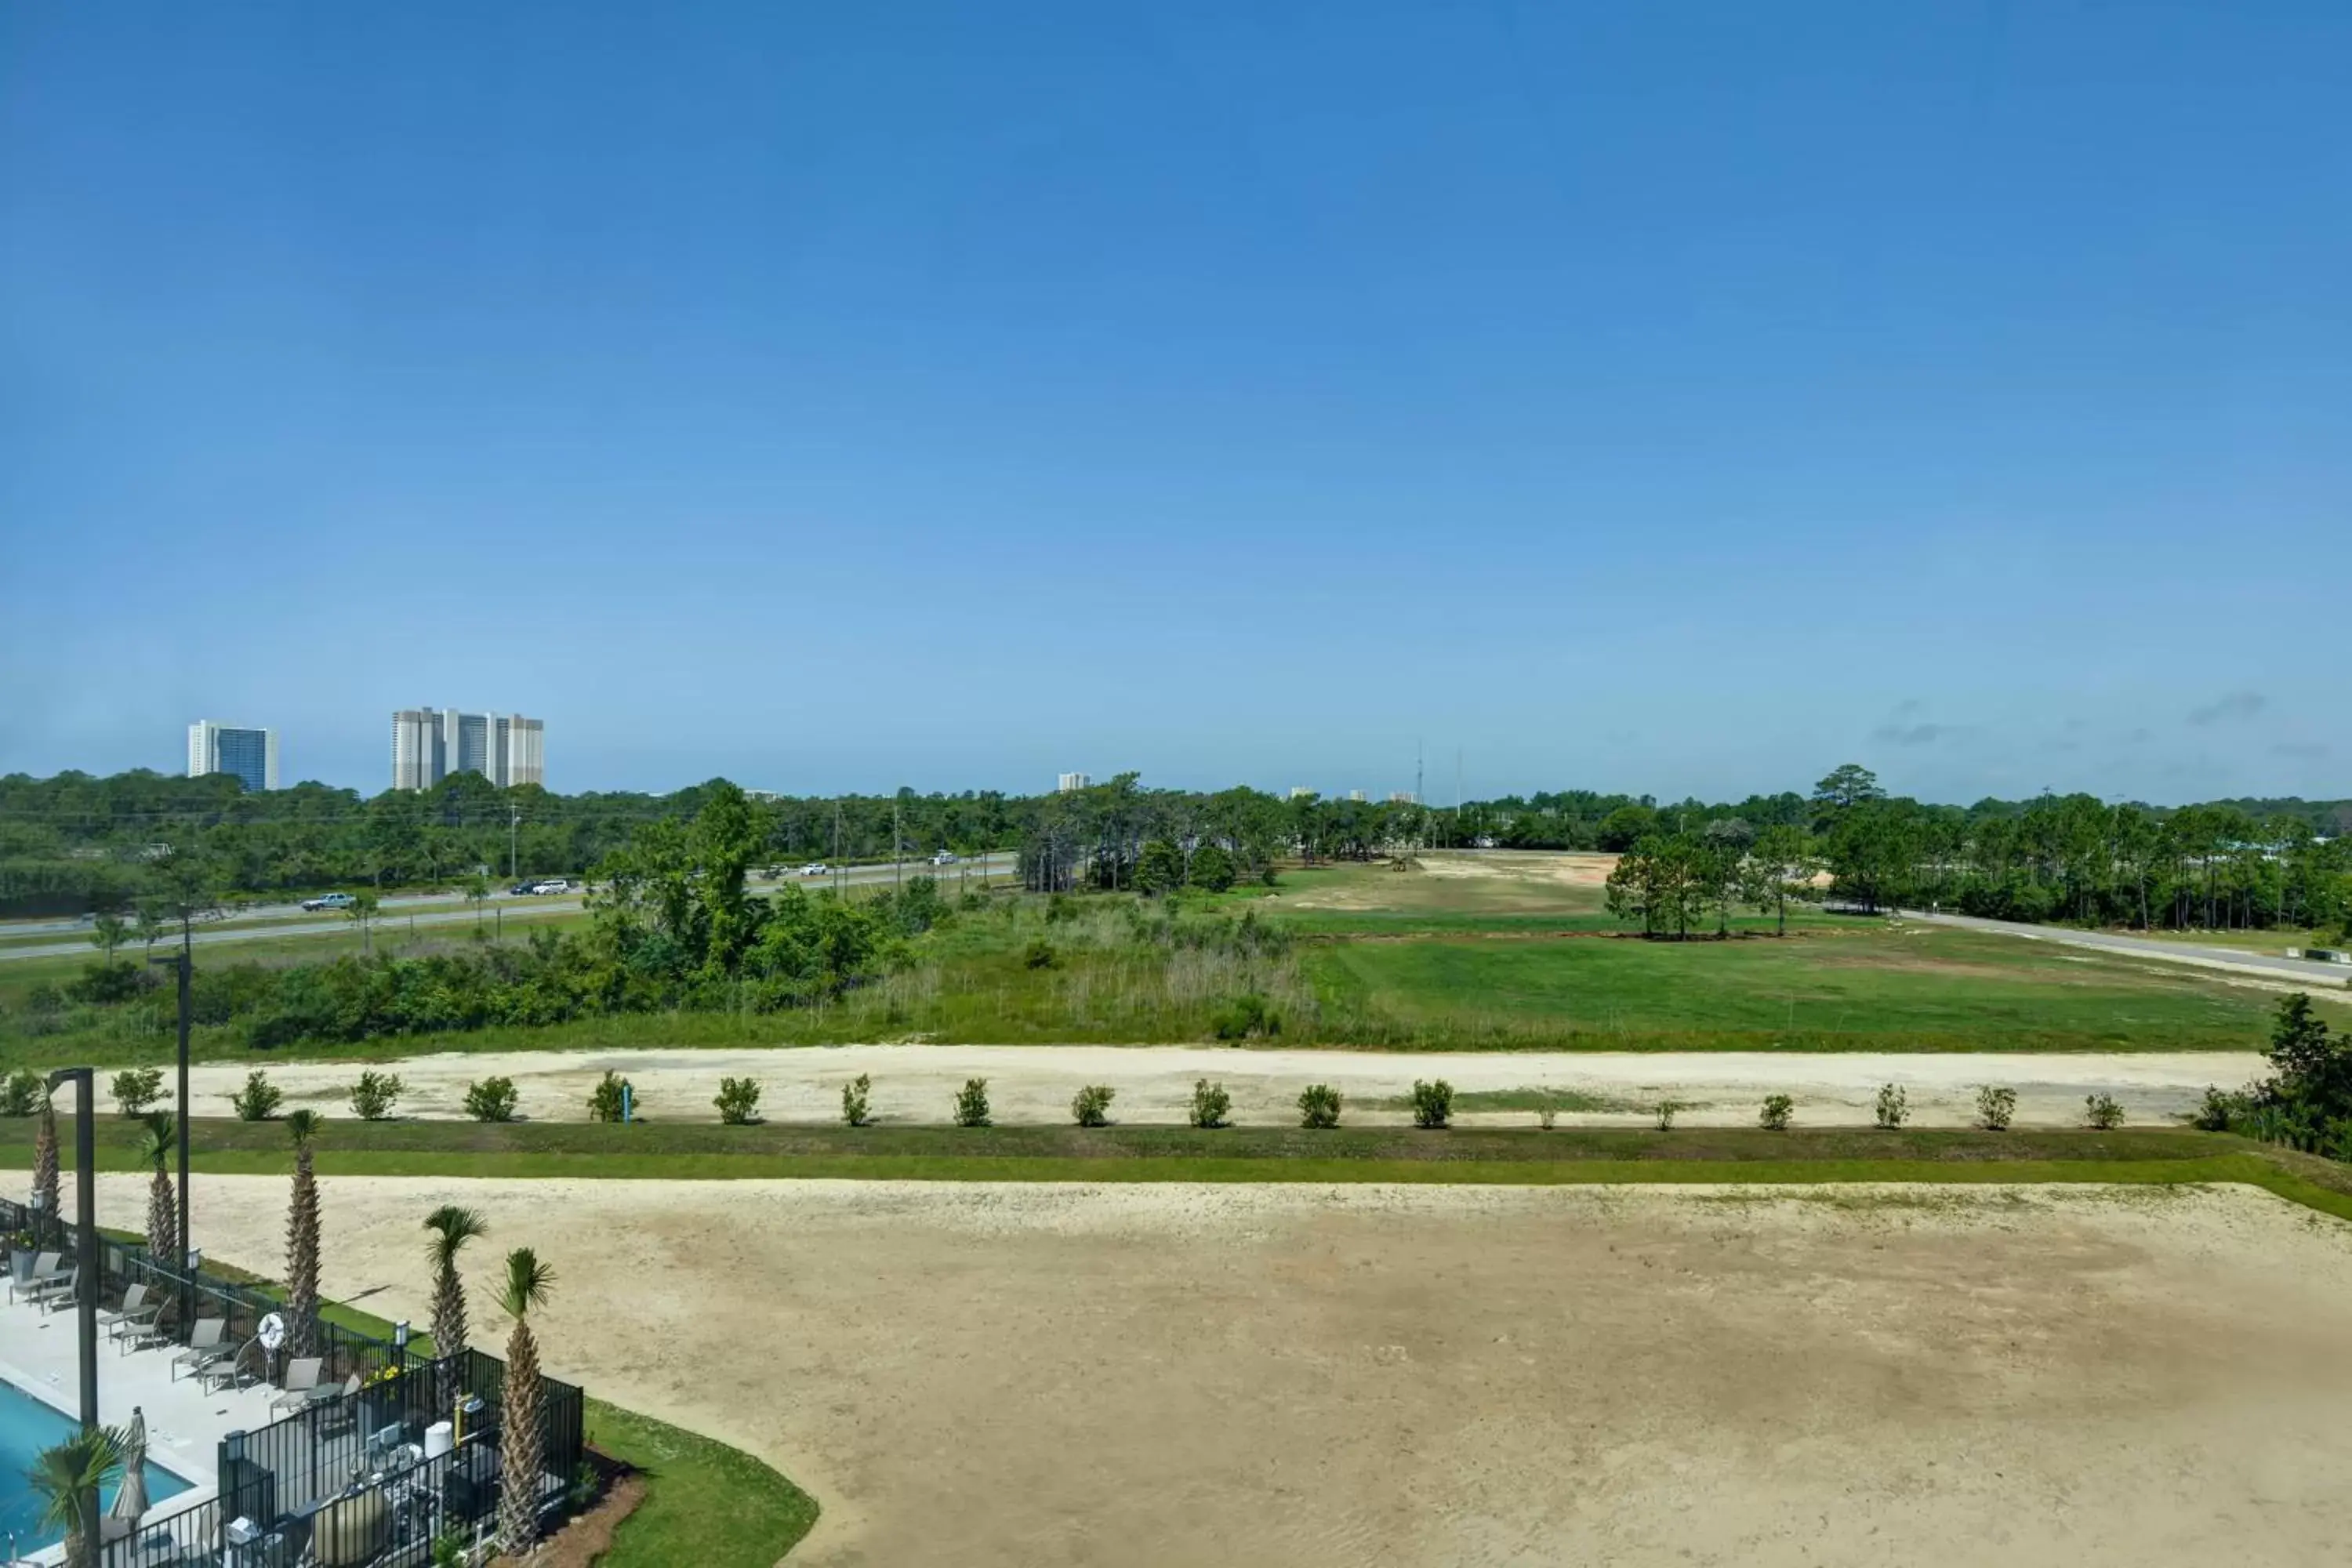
(28, 1426)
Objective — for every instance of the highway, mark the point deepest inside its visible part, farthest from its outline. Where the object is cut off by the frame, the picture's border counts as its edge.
(2148, 947)
(391, 922)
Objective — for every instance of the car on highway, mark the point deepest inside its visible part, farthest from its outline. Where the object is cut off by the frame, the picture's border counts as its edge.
(522, 889)
(815, 868)
(328, 902)
(944, 858)
(551, 885)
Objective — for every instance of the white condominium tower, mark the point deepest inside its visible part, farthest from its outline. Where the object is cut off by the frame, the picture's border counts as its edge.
(217, 748)
(428, 744)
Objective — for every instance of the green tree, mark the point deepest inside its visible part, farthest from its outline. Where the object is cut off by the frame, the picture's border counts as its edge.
(522, 1436)
(362, 913)
(1161, 868)
(1782, 860)
(302, 1238)
(159, 1140)
(67, 1479)
(452, 1227)
(1846, 787)
(1213, 868)
(108, 932)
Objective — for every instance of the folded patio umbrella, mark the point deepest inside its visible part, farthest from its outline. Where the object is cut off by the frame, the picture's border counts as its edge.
(130, 1502)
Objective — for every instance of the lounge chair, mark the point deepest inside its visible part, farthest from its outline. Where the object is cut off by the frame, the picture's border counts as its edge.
(302, 1383)
(135, 1307)
(232, 1368)
(56, 1290)
(47, 1267)
(205, 1346)
(342, 1411)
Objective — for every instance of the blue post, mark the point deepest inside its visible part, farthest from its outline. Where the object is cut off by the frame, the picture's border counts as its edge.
(628, 1094)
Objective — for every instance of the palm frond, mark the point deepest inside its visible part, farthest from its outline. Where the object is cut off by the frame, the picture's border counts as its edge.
(62, 1475)
(453, 1226)
(528, 1283)
(303, 1125)
(163, 1137)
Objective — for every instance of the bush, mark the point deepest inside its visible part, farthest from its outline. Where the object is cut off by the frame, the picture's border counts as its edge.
(491, 1099)
(1893, 1106)
(971, 1104)
(107, 983)
(1245, 1015)
(1211, 1103)
(1995, 1107)
(1666, 1108)
(2220, 1113)
(259, 1099)
(2101, 1113)
(612, 1092)
(853, 1094)
(374, 1095)
(1433, 1103)
(1774, 1116)
(738, 1101)
(136, 1089)
(1318, 1105)
(21, 1094)
(1091, 1105)
(1213, 868)
(1039, 954)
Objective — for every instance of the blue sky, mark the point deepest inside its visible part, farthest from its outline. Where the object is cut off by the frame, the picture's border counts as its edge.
(1679, 398)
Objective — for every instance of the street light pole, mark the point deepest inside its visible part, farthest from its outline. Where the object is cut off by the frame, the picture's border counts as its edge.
(85, 1237)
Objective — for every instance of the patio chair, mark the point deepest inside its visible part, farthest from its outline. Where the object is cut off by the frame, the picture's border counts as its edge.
(301, 1382)
(134, 1305)
(232, 1369)
(47, 1266)
(205, 1346)
(56, 1290)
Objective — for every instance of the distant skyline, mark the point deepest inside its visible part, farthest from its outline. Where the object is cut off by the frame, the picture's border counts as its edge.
(1680, 400)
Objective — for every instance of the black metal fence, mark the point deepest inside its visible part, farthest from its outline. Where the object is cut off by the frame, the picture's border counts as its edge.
(345, 1479)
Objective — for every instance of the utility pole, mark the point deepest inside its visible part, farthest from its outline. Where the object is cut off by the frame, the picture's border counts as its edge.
(85, 1280)
(514, 832)
(897, 849)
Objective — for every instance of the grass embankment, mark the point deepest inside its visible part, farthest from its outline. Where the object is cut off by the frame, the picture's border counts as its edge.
(1503, 1155)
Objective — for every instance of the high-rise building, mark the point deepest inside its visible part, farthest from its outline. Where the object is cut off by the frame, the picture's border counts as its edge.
(217, 748)
(1070, 782)
(428, 744)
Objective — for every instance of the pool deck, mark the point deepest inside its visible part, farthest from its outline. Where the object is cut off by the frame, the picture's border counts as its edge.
(39, 1354)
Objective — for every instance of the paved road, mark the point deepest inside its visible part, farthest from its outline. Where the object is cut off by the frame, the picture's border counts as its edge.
(525, 906)
(2149, 947)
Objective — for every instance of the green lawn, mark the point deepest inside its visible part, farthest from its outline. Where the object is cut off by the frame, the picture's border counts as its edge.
(1861, 986)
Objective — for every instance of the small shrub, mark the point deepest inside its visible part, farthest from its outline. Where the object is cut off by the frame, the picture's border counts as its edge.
(612, 1093)
(21, 1094)
(1547, 1114)
(450, 1549)
(1039, 954)
(1774, 1116)
(854, 1094)
(136, 1089)
(2219, 1111)
(1090, 1107)
(491, 1099)
(1893, 1106)
(2101, 1113)
(375, 1094)
(1995, 1107)
(1318, 1105)
(971, 1104)
(738, 1101)
(1666, 1108)
(1433, 1103)
(1241, 1016)
(259, 1099)
(1211, 1103)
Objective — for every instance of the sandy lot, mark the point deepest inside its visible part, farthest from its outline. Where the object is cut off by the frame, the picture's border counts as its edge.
(1426, 1377)
(1034, 1083)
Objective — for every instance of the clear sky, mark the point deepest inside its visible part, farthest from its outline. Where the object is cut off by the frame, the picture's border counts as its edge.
(1680, 398)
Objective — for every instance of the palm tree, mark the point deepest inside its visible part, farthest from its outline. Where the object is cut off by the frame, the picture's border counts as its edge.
(162, 1213)
(66, 1479)
(302, 1240)
(452, 1227)
(522, 1438)
(45, 1163)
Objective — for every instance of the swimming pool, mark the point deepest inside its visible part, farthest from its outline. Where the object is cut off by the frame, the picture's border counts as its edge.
(28, 1426)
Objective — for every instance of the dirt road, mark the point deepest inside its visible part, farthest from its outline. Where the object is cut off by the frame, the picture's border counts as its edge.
(1424, 1377)
(1154, 1083)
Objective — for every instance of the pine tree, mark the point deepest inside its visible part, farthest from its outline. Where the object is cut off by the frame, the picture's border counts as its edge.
(163, 1207)
(522, 1436)
(452, 1228)
(302, 1241)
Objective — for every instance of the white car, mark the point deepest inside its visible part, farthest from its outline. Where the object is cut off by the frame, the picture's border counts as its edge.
(944, 858)
(815, 868)
(553, 885)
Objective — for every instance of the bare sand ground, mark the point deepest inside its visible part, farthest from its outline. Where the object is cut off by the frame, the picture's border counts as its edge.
(1154, 1083)
(1427, 1377)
